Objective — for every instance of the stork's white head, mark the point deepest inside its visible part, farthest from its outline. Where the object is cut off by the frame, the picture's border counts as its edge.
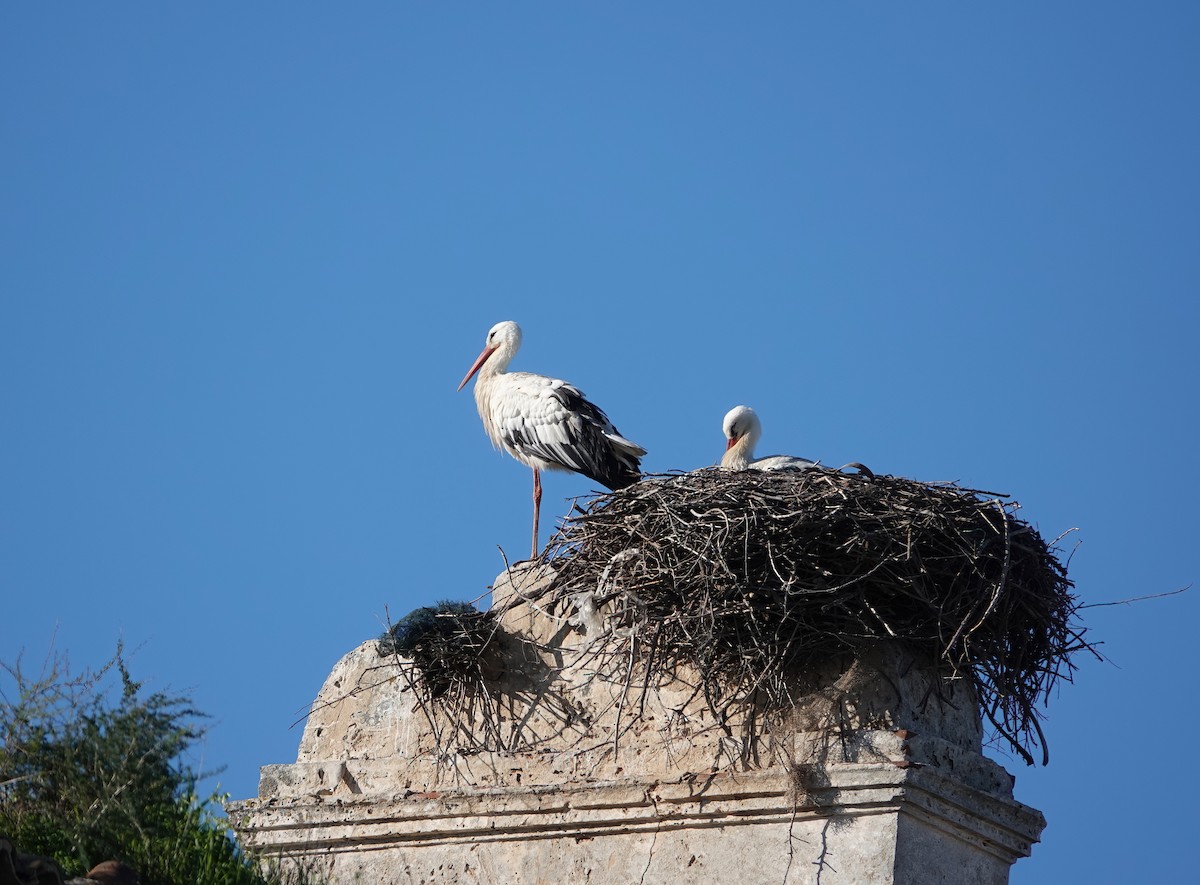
(506, 333)
(742, 430)
(503, 341)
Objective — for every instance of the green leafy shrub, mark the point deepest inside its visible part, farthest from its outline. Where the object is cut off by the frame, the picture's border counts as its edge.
(85, 777)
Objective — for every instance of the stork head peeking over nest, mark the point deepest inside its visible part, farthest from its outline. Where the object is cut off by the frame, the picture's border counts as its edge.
(742, 431)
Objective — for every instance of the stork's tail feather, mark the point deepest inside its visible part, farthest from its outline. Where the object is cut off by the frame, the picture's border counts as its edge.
(620, 465)
(625, 479)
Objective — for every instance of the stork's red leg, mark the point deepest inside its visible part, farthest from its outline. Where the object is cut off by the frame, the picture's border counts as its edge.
(537, 506)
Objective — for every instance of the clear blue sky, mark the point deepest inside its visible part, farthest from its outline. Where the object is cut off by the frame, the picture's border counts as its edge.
(248, 250)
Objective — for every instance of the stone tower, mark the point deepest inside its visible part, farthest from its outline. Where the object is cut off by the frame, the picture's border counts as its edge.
(577, 766)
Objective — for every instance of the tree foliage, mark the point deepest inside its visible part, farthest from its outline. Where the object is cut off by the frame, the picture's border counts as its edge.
(86, 776)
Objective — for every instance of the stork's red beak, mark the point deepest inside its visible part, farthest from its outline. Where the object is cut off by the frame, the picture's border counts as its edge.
(729, 443)
(487, 351)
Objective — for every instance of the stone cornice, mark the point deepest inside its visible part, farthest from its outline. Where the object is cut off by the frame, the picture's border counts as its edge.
(999, 826)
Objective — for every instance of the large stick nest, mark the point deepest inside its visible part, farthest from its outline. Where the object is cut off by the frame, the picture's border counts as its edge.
(751, 577)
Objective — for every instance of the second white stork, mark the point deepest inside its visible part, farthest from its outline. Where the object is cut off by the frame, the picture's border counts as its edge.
(742, 431)
(545, 423)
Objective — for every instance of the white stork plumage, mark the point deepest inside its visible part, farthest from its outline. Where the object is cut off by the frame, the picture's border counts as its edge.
(742, 430)
(546, 423)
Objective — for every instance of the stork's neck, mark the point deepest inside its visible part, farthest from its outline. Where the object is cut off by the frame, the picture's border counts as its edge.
(495, 366)
(497, 363)
(741, 453)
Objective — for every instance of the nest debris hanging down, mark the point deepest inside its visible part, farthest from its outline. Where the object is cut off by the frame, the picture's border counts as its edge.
(445, 642)
(750, 577)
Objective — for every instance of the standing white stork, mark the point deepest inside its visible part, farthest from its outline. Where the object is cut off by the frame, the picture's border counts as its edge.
(742, 430)
(546, 423)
